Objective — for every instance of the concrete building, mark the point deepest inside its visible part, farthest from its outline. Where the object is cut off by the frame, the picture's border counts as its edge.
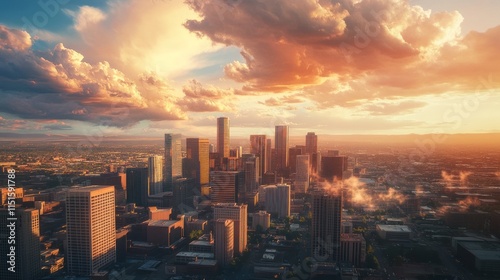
(394, 232)
(352, 248)
(26, 247)
(91, 234)
(196, 165)
(226, 186)
(301, 184)
(237, 213)
(155, 174)
(326, 226)
(223, 137)
(224, 241)
(262, 219)
(258, 147)
(346, 227)
(159, 214)
(480, 256)
(281, 148)
(311, 143)
(172, 167)
(164, 232)
(278, 200)
(333, 167)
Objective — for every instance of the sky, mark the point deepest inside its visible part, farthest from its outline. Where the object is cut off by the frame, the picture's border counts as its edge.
(149, 67)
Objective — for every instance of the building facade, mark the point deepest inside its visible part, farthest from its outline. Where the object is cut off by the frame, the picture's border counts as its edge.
(91, 234)
(172, 167)
(223, 137)
(237, 213)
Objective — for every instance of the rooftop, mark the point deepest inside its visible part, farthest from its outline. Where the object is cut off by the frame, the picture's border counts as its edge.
(394, 228)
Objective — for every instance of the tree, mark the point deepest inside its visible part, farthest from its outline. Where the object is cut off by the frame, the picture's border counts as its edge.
(195, 234)
(372, 262)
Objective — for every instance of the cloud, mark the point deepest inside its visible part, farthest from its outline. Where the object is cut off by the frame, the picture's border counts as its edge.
(392, 108)
(283, 101)
(344, 53)
(199, 98)
(86, 17)
(59, 84)
(138, 36)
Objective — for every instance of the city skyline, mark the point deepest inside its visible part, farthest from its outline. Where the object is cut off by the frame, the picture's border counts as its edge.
(431, 68)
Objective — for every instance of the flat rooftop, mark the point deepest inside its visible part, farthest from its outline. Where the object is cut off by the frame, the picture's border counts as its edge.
(196, 254)
(162, 223)
(394, 228)
(483, 250)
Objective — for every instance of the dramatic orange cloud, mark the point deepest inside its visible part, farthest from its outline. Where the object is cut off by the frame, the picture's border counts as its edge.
(345, 53)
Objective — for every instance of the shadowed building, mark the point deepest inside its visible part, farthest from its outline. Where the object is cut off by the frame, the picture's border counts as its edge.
(281, 148)
(326, 226)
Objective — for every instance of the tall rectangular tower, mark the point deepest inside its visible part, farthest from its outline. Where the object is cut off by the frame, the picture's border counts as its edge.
(226, 186)
(237, 213)
(172, 167)
(91, 233)
(137, 186)
(258, 147)
(197, 160)
(311, 143)
(281, 147)
(326, 225)
(223, 137)
(155, 174)
(302, 175)
(26, 231)
(224, 241)
(278, 200)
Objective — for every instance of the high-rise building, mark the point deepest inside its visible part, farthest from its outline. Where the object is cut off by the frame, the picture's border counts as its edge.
(237, 213)
(281, 147)
(251, 166)
(137, 186)
(155, 168)
(311, 143)
(258, 147)
(326, 226)
(333, 167)
(91, 233)
(269, 167)
(223, 136)
(197, 160)
(226, 186)
(278, 200)
(26, 253)
(352, 248)
(292, 158)
(302, 174)
(224, 241)
(172, 167)
(315, 162)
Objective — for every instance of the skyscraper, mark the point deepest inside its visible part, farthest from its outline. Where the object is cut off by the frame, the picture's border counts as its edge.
(311, 143)
(91, 234)
(302, 174)
(172, 168)
(269, 166)
(258, 147)
(197, 160)
(224, 241)
(223, 136)
(155, 168)
(226, 186)
(281, 147)
(27, 244)
(326, 225)
(278, 200)
(137, 186)
(237, 213)
(333, 167)
(292, 158)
